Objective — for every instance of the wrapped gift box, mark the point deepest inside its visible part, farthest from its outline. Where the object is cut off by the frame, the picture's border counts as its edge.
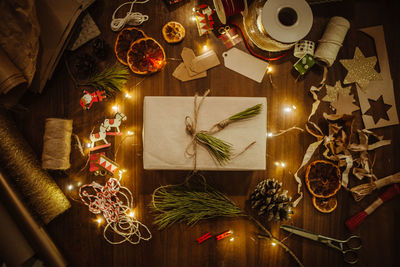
(165, 139)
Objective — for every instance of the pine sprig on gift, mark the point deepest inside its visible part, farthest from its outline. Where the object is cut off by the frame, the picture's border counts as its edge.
(268, 201)
(221, 150)
(246, 114)
(112, 79)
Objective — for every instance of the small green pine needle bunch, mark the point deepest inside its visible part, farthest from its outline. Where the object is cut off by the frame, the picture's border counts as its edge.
(248, 113)
(111, 80)
(219, 149)
(268, 201)
(191, 202)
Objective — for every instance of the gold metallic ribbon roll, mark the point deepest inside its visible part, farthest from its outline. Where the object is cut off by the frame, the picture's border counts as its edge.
(20, 163)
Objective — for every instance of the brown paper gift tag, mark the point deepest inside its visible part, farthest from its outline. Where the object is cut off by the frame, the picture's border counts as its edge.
(204, 62)
(188, 56)
(182, 73)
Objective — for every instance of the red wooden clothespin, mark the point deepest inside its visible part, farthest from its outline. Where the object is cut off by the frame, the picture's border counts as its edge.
(203, 238)
(223, 235)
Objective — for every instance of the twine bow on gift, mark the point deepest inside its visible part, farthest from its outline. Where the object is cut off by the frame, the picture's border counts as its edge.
(219, 149)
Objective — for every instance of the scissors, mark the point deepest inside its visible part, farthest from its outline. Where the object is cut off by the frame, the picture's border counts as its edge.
(348, 247)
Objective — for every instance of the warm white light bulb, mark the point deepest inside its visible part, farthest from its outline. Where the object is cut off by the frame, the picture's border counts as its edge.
(115, 108)
(130, 133)
(276, 163)
(273, 244)
(99, 220)
(193, 18)
(205, 47)
(131, 214)
(283, 164)
(270, 134)
(287, 109)
(70, 187)
(127, 95)
(88, 145)
(232, 239)
(269, 69)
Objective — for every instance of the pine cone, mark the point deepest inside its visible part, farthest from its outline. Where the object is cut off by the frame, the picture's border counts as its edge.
(267, 200)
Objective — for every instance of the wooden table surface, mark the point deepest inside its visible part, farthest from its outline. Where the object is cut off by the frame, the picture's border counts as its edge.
(80, 238)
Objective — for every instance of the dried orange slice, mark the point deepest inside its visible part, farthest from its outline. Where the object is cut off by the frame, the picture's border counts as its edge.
(323, 178)
(173, 32)
(325, 205)
(146, 56)
(124, 40)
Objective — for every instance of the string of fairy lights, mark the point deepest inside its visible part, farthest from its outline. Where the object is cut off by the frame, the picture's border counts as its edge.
(130, 212)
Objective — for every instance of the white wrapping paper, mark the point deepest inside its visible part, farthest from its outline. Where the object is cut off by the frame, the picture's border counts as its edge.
(165, 139)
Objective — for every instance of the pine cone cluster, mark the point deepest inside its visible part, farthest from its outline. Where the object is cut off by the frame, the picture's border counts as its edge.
(267, 200)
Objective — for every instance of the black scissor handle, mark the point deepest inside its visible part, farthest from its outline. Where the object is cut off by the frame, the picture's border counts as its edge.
(353, 242)
(350, 256)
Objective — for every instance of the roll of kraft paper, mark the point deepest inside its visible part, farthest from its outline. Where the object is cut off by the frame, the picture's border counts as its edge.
(18, 160)
(35, 234)
(10, 76)
(14, 249)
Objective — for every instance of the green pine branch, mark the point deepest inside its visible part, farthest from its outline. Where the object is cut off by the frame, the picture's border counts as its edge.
(111, 79)
(248, 113)
(191, 203)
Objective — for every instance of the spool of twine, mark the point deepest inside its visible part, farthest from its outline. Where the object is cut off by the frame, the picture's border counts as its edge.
(228, 8)
(331, 41)
(57, 144)
(18, 160)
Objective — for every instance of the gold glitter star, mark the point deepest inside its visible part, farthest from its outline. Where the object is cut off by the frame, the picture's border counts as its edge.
(360, 69)
(332, 92)
(344, 104)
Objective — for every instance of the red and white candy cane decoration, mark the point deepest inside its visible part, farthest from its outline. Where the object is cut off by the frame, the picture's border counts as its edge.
(115, 203)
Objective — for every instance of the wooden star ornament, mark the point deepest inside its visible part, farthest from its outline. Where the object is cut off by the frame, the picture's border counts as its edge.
(360, 69)
(332, 92)
(344, 104)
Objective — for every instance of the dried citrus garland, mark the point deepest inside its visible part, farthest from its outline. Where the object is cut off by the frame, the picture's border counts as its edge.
(146, 56)
(173, 32)
(323, 180)
(141, 53)
(124, 40)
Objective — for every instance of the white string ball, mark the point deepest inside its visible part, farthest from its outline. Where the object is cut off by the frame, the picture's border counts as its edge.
(331, 41)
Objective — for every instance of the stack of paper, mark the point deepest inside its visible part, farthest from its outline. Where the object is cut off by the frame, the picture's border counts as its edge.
(57, 19)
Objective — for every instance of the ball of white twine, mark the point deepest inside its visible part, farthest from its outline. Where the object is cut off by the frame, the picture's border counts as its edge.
(331, 41)
(131, 18)
(57, 144)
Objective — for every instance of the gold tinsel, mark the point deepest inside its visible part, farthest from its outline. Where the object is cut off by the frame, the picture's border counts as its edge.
(20, 163)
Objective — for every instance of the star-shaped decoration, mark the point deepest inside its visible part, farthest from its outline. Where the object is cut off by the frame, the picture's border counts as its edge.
(378, 109)
(344, 104)
(332, 92)
(360, 69)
